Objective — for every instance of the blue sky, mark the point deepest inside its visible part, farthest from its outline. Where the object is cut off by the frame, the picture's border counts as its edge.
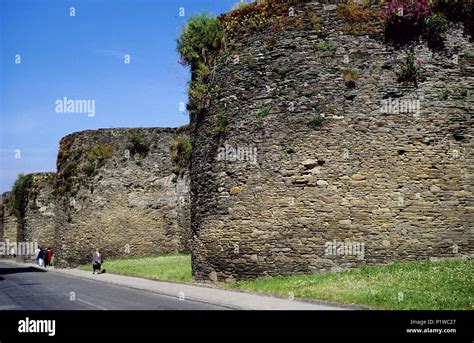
(82, 57)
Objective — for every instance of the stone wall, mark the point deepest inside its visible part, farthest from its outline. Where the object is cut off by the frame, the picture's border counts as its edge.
(8, 221)
(33, 225)
(336, 181)
(117, 191)
(38, 221)
(183, 208)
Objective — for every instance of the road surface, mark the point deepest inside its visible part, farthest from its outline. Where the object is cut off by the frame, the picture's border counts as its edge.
(29, 288)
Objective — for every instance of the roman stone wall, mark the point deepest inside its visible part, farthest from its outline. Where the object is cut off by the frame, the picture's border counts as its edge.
(116, 190)
(8, 222)
(316, 171)
(183, 211)
(38, 221)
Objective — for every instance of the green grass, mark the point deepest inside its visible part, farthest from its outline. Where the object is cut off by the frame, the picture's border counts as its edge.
(325, 46)
(423, 286)
(172, 267)
(443, 285)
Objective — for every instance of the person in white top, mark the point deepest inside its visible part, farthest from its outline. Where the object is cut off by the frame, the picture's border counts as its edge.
(36, 255)
(41, 257)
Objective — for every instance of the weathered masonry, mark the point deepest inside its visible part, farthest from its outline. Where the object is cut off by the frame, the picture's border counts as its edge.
(116, 190)
(8, 221)
(29, 223)
(37, 224)
(353, 167)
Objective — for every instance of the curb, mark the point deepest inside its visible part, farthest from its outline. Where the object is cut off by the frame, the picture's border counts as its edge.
(335, 306)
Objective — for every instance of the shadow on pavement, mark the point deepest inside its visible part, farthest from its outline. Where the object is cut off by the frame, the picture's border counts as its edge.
(5, 271)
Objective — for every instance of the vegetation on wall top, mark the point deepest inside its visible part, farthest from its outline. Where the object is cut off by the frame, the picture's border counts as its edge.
(401, 21)
(71, 162)
(200, 38)
(20, 194)
(361, 18)
(96, 157)
(254, 15)
(138, 145)
(181, 150)
(199, 43)
(25, 189)
(397, 22)
(204, 36)
(99, 152)
(409, 20)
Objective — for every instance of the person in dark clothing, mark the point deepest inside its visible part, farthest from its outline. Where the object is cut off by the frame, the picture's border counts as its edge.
(97, 262)
(45, 258)
(41, 257)
(48, 255)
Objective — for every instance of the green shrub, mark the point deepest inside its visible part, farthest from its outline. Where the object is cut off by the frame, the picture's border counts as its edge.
(256, 82)
(457, 11)
(20, 193)
(350, 77)
(138, 145)
(444, 94)
(262, 113)
(435, 25)
(404, 20)
(99, 153)
(325, 46)
(202, 35)
(221, 125)
(316, 120)
(181, 150)
(215, 185)
(203, 72)
(408, 71)
(315, 21)
(96, 157)
(425, 18)
(199, 95)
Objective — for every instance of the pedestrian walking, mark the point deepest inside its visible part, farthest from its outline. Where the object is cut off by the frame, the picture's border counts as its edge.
(51, 257)
(41, 254)
(47, 257)
(38, 249)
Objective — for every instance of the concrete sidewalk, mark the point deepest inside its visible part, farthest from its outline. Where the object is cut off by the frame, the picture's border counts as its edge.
(200, 293)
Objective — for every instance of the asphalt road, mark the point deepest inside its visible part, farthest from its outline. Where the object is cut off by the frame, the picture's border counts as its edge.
(28, 288)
